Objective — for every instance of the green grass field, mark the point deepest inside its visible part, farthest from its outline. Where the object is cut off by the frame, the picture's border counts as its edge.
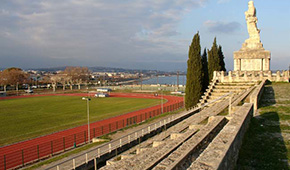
(26, 118)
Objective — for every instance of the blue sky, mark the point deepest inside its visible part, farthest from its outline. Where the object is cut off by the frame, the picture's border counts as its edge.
(139, 34)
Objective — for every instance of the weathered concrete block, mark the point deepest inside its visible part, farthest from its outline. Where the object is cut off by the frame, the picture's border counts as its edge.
(157, 143)
(99, 140)
(127, 156)
(194, 127)
(110, 162)
(175, 135)
(211, 118)
(139, 150)
(234, 109)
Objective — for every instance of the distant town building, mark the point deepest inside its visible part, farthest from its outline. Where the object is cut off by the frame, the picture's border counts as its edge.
(104, 90)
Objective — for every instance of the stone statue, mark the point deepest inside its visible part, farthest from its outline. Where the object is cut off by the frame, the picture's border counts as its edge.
(252, 56)
(254, 33)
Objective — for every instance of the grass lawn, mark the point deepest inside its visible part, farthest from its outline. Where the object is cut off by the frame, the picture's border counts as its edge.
(26, 118)
(266, 145)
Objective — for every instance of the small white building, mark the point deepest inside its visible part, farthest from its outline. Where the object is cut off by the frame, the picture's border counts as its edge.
(104, 89)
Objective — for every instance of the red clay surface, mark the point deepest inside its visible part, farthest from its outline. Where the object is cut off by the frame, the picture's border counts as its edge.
(18, 154)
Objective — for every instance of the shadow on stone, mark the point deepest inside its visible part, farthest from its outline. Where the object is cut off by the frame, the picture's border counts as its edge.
(268, 97)
(263, 145)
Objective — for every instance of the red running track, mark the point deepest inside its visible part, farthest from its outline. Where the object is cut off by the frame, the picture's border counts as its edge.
(19, 154)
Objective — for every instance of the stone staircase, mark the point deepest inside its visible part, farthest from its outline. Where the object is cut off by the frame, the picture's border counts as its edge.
(181, 145)
(216, 90)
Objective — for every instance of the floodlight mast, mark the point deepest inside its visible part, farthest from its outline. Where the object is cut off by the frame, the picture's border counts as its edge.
(161, 100)
(88, 113)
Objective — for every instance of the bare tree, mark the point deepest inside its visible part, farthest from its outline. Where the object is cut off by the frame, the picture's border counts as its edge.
(64, 80)
(59, 78)
(54, 80)
(77, 75)
(13, 76)
(17, 76)
(45, 80)
(4, 79)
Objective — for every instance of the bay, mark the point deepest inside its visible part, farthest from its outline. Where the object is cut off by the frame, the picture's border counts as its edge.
(166, 80)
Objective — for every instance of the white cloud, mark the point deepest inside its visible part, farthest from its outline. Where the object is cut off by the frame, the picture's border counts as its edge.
(222, 27)
(101, 31)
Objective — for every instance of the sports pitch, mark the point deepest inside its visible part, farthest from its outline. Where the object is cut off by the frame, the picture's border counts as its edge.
(26, 118)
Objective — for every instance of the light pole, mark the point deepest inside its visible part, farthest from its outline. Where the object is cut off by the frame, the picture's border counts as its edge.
(177, 83)
(88, 112)
(184, 98)
(161, 100)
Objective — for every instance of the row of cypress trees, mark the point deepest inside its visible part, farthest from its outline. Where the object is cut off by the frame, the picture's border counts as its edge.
(215, 59)
(200, 69)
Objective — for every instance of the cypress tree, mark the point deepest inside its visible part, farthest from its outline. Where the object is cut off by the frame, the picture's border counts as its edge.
(194, 74)
(221, 57)
(213, 60)
(205, 80)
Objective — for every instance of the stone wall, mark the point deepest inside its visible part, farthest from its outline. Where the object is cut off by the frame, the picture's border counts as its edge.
(222, 153)
(256, 95)
(251, 76)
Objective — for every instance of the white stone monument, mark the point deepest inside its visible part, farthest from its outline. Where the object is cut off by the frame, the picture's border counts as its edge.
(252, 56)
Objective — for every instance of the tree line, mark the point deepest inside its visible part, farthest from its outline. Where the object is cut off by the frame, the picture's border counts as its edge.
(15, 77)
(71, 76)
(200, 69)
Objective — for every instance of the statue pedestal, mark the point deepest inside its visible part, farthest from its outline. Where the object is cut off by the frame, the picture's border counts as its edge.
(252, 60)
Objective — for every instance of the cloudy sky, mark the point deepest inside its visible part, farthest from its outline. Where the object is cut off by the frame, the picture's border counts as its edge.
(139, 34)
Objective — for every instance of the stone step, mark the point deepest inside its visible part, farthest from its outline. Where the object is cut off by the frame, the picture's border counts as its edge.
(237, 84)
(218, 93)
(213, 97)
(193, 144)
(227, 90)
(204, 97)
(231, 87)
(209, 90)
